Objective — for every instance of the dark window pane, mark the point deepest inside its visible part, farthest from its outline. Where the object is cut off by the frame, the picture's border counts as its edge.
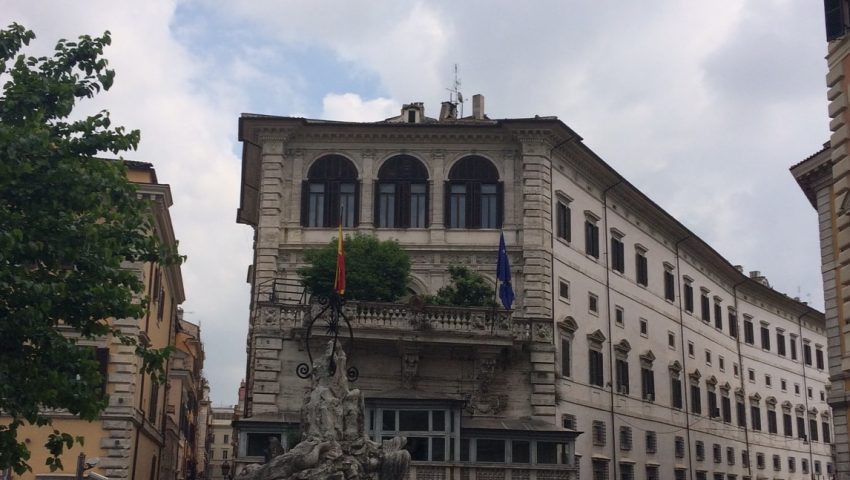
(438, 449)
(417, 205)
(418, 448)
(547, 452)
(388, 423)
(488, 206)
(457, 209)
(487, 450)
(464, 449)
(386, 206)
(438, 420)
(413, 420)
(521, 451)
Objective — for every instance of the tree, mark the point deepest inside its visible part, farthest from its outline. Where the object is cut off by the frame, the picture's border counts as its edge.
(466, 288)
(375, 270)
(68, 222)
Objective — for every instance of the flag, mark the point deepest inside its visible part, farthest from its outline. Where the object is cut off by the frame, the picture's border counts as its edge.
(339, 278)
(503, 274)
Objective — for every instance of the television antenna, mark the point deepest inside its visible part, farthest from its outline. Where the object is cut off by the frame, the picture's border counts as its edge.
(454, 93)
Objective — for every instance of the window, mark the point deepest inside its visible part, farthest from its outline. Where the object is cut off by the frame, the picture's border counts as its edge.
(596, 368)
(713, 411)
(696, 400)
(755, 417)
(651, 442)
(810, 392)
(226, 439)
(618, 254)
(644, 327)
(730, 455)
(691, 349)
(780, 342)
(777, 463)
(600, 469)
(647, 380)
(619, 315)
(402, 194)
(566, 357)
(772, 426)
(726, 404)
(822, 396)
(760, 460)
(679, 446)
(622, 374)
(807, 354)
(801, 428)
(813, 430)
(652, 472)
(153, 402)
(330, 193)
(680, 474)
(718, 315)
(793, 344)
(787, 425)
(733, 324)
(742, 412)
(669, 285)
(224, 454)
(486, 450)
(826, 432)
(819, 358)
(564, 219)
(804, 465)
(767, 381)
(796, 388)
(676, 392)
(671, 340)
(706, 306)
(474, 196)
(717, 453)
(564, 290)
(568, 421)
(592, 303)
(689, 297)
(428, 433)
(751, 374)
(817, 467)
(721, 363)
(745, 458)
(749, 333)
(641, 268)
(735, 369)
(627, 471)
(591, 238)
(700, 450)
(792, 465)
(625, 438)
(783, 384)
(598, 429)
(708, 357)
(765, 338)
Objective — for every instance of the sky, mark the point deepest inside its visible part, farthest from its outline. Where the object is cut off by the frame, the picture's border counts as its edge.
(702, 105)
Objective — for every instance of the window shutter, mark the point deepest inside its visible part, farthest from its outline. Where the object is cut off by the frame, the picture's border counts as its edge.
(102, 356)
(331, 205)
(447, 209)
(427, 204)
(376, 205)
(569, 232)
(500, 204)
(473, 205)
(356, 203)
(305, 203)
(402, 205)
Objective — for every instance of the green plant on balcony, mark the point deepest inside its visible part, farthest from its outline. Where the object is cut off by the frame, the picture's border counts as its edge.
(466, 288)
(375, 270)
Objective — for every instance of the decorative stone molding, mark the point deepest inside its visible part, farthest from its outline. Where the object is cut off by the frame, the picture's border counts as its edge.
(542, 332)
(695, 375)
(725, 388)
(800, 408)
(712, 381)
(647, 358)
(623, 347)
(596, 339)
(568, 325)
(409, 367)
(675, 367)
(755, 398)
(787, 406)
(739, 392)
(770, 401)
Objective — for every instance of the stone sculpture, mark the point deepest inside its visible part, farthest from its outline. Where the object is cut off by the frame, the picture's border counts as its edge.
(333, 443)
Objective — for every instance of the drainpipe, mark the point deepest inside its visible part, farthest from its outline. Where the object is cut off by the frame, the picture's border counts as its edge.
(806, 396)
(606, 259)
(684, 374)
(741, 374)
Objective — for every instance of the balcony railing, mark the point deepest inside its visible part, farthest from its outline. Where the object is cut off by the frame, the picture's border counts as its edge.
(442, 471)
(371, 319)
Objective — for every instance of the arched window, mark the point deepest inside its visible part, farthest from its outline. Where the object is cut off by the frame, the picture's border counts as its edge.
(330, 193)
(474, 195)
(401, 194)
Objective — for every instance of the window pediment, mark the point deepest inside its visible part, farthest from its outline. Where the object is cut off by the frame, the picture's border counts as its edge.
(648, 357)
(787, 406)
(675, 366)
(597, 338)
(755, 398)
(623, 347)
(770, 401)
(712, 381)
(800, 408)
(725, 388)
(695, 375)
(568, 325)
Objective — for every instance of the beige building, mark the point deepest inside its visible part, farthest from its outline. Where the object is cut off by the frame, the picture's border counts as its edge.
(634, 350)
(221, 442)
(128, 439)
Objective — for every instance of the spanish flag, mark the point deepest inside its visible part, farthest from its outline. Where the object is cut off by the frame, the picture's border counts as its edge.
(339, 278)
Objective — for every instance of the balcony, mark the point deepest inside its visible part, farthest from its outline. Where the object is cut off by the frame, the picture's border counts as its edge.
(461, 471)
(399, 321)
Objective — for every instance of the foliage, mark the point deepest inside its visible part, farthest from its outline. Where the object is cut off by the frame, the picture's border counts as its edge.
(467, 288)
(68, 222)
(375, 270)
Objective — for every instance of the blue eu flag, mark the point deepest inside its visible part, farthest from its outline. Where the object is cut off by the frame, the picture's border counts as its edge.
(503, 274)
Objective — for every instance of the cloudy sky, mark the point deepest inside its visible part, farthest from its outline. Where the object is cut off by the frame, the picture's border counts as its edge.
(702, 105)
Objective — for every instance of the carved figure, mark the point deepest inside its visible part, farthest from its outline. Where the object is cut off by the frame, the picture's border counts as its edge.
(333, 444)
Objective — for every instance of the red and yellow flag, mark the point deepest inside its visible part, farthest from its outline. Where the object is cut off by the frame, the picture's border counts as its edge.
(339, 278)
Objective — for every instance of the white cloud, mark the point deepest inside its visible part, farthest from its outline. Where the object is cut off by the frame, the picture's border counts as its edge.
(350, 107)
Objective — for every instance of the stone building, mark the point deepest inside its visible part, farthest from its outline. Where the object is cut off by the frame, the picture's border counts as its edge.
(221, 442)
(634, 350)
(129, 437)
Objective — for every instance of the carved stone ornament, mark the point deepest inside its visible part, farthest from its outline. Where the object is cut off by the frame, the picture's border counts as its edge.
(739, 392)
(813, 411)
(623, 347)
(486, 373)
(568, 325)
(712, 381)
(695, 375)
(787, 406)
(725, 388)
(755, 398)
(647, 357)
(800, 408)
(770, 401)
(675, 367)
(596, 337)
(543, 332)
(333, 442)
(409, 368)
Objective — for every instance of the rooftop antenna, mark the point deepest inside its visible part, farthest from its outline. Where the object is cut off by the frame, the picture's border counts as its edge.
(454, 93)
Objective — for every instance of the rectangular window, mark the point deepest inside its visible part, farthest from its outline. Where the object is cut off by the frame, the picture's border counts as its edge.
(718, 316)
(316, 216)
(669, 286)
(598, 429)
(742, 413)
(760, 460)
(730, 455)
(751, 374)
(676, 393)
(807, 354)
(565, 358)
(592, 303)
(568, 421)
(813, 430)
(520, 451)
(733, 324)
(772, 426)
(641, 268)
(700, 450)
(622, 371)
(591, 239)
(749, 333)
(717, 453)
(619, 315)
(713, 411)
(618, 258)
(819, 358)
(680, 447)
(627, 471)
(691, 349)
(644, 327)
(745, 458)
(386, 205)
(563, 229)
(418, 205)
(680, 474)
(793, 345)
(689, 297)
(765, 338)
(706, 308)
(804, 464)
(652, 472)
(490, 450)
(721, 363)
(625, 438)
(826, 432)
(564, 290)
(600, 469)
(708, 357)
(726, 404)
(792, 465)
(651, 442)
(489, 202)
(671, 340)
(755, 417)
(696, 400)
(777, 463)
(780, 343)
(596, 368)
(647, 377)
(457, 206)
(767, 381)
(787, 425)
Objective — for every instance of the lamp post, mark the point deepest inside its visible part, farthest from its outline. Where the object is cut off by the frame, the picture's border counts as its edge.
(225, 469)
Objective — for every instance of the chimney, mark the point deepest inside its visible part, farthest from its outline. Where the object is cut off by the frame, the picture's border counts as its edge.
(448, 111)
(739, 268)
(755, 274)
(478, 106)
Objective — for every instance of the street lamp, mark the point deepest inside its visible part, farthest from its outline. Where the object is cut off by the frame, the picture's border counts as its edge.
(225, 469)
